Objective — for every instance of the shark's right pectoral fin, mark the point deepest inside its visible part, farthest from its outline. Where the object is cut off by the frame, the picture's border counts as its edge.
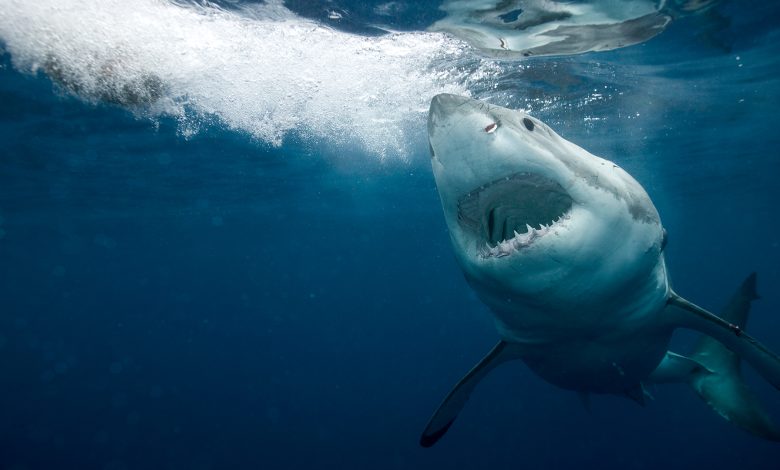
(442, 419)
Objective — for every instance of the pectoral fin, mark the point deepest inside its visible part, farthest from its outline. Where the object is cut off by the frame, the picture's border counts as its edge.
(442, 419)
(688, 315)
(713, 370)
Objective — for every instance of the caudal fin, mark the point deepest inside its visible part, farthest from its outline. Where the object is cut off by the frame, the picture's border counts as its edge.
(719, 381)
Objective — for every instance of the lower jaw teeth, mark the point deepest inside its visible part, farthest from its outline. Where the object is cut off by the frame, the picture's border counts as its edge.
(520, 240)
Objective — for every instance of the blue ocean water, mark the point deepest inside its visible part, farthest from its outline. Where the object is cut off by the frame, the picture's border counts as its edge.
(252, 269)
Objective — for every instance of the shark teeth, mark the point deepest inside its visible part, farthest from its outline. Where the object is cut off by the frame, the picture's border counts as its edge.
(521, 240)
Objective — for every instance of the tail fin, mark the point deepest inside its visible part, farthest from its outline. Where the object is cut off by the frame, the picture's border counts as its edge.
(719, 382)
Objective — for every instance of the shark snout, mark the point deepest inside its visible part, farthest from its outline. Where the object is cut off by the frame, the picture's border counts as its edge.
(444, 106)
(445, 103)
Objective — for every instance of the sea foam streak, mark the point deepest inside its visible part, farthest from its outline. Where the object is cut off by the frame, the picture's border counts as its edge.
(263, 70)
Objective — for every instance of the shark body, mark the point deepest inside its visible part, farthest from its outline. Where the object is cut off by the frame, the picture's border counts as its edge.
(566, 249)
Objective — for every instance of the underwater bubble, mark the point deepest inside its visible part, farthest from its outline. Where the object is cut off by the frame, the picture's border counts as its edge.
(258, 69)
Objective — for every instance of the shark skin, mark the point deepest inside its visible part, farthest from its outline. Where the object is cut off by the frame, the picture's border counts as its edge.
(566, 249)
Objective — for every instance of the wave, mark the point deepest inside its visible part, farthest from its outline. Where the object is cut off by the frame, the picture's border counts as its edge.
(257, 69)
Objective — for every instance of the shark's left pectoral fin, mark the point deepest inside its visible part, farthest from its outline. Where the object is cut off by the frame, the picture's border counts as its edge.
(713, 371)
(689, 315)
(442, 419)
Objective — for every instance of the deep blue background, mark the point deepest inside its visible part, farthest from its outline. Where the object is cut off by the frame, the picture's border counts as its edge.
(212, 302)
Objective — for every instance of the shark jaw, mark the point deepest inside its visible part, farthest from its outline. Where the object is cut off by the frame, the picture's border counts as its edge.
(501, 195)
(536, 219)
(510, 214)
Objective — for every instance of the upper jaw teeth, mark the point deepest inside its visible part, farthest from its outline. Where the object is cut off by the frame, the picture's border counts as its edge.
(519, 240)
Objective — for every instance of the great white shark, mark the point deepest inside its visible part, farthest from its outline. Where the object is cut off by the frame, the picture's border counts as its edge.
(567, 251)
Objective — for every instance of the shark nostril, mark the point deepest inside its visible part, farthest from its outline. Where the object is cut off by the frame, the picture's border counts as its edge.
(529, 124)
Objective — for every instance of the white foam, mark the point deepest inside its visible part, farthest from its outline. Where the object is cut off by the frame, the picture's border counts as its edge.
(264, 71)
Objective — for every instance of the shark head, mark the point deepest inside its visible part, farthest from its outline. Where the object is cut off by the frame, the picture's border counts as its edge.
(534, 219)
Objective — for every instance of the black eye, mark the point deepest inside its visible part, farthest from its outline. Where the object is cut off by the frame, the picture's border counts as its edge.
(529, 124)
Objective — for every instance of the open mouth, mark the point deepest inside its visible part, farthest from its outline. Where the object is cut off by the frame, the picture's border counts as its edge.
(510, 213)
